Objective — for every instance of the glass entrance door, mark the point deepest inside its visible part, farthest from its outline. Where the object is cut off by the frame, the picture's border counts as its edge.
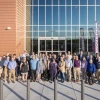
(51, 45)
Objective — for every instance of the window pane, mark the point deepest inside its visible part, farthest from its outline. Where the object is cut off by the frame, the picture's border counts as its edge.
(83, 2)
(35, 34)
(68, 15)
(48, 2)
(35, 28)
(42, 45)
(98, 14)
(55, 45)
(41, 2)
(48, 45)
(34, 2)
(55, 15)
(55, 2)
(55, 31)
(68, 32)
(75, 15)
(41, 15)
(35, 45)
(83, 15)
(42, 31)
(68, 2)
(48, 31)
(75, 2)
(34, 15)
(61, 45)
(97, 2)
(62, 15)
(48, 15)
(91, 15)
(91, 2)
(62, 2)
(62, 31)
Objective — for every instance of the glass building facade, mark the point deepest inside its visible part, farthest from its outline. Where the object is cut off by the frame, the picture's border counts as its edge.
(62, 25)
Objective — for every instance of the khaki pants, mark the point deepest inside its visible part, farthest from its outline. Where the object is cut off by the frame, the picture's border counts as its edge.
(12, 72)
(1, 69)
(5, 73)
(76, 72)
(68, 73)
(98, 74)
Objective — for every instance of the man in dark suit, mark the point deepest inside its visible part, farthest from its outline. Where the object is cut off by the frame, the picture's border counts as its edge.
(80, 56)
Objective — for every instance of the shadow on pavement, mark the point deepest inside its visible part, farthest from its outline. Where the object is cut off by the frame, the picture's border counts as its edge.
(35, 91)
(90, 87)
(80, 92)
(21, 98)
(58, 92)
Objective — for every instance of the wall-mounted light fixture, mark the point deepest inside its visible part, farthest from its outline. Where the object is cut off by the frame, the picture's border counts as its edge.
(8, 28)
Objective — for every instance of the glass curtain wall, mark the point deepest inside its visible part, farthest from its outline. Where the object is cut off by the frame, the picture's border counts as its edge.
(71, 22)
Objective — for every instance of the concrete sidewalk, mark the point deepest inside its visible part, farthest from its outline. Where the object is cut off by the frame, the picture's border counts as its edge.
(45, 91)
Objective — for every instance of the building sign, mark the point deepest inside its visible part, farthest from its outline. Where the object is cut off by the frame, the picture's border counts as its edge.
(96, 37)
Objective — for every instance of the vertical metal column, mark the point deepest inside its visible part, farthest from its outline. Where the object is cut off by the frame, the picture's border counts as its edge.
(55, 89)
(28, 89)
(82, 88)
(1, 89)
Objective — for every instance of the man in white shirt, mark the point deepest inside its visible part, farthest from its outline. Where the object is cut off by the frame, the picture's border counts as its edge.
(68, 64)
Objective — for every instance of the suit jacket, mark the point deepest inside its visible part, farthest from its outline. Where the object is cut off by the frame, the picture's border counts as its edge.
(80, 58)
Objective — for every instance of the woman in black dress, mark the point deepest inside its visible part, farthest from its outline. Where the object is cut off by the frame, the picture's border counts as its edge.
(24, 66)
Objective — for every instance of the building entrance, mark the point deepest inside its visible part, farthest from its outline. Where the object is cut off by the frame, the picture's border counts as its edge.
(51, 45)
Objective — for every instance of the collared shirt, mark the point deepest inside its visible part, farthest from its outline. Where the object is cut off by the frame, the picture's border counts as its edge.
(6, 63)
(68, 63)
(12, 64)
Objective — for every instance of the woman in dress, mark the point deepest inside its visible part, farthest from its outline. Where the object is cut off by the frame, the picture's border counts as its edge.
(39, 70)
(24, 66)
(53, 69)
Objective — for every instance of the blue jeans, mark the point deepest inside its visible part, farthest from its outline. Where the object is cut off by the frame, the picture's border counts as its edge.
(62, 76)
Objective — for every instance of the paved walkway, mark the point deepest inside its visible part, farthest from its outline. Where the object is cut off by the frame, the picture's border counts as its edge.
(45, 91)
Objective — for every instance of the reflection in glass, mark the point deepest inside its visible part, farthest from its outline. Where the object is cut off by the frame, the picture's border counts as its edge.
(55, 31)
(62, 15)
(97, 2)
(48, 2)
(62, 31)
(98, 14)
(55, 15)
(41, 15)
(75, 15)
(41, 2)
(55, 45)
(48, 45)
(34, 2)
(83, 15)
(91, 15)
(61, 45)
(68, 15)
(48, 15)
(83, 2)
(68, 2)
(91, 2)
(41, 34)
(49, 31)
(35, 34)
(55, 2)
(62, 2)
(42, 45)
(35, 17)
(75, 2)
(35, 46)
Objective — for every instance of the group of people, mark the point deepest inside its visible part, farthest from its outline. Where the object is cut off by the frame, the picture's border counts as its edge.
(47, 67)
